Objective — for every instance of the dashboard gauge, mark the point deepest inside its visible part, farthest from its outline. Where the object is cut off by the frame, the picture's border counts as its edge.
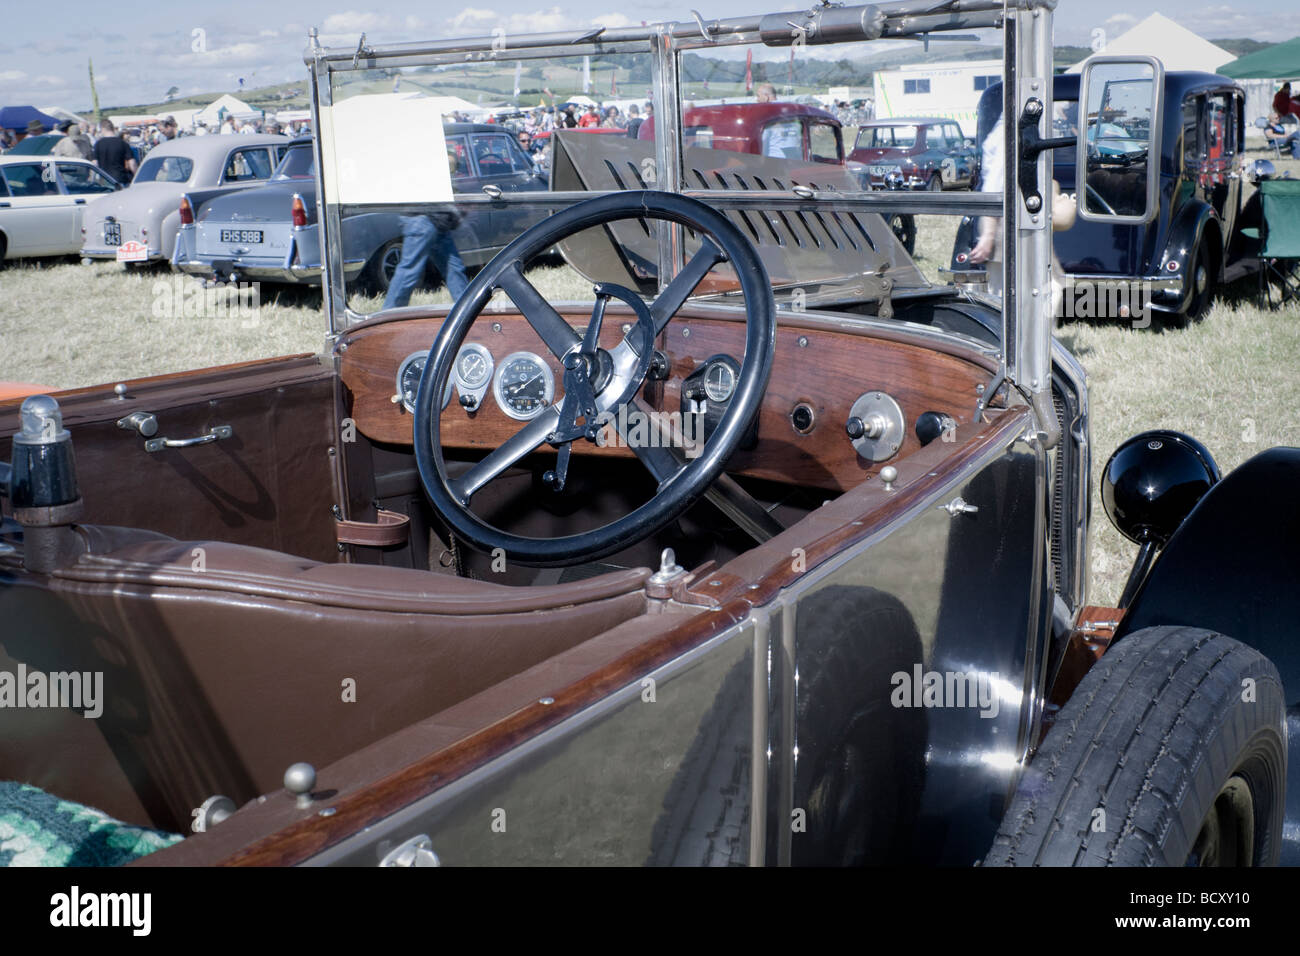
(473, 367)
(408, 381)
(719, 382)
(524, 385)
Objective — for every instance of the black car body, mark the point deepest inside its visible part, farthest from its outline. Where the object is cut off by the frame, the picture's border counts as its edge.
(252, 234)
(1191, 244)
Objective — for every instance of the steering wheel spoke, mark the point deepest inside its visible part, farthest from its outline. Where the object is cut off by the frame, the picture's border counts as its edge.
(508, 453)
(672, 298)
(549, 324)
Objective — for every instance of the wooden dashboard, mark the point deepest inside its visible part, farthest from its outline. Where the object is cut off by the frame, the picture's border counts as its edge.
(819, 362)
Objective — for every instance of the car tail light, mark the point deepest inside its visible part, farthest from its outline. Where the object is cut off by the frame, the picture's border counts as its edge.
(187, 211)
(299, 211)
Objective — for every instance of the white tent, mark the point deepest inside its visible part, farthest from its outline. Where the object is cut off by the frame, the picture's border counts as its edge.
(1177, 47)
(58, 112)
(215, 112)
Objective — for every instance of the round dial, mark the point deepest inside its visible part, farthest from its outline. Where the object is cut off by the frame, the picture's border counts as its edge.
(524, 385)
(408, 380)
(719, 382)
(473, 367)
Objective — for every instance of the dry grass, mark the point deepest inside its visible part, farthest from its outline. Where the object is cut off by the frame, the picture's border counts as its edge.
(1231, 380)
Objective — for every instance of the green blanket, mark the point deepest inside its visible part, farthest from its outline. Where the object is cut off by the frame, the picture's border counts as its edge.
(37, 829)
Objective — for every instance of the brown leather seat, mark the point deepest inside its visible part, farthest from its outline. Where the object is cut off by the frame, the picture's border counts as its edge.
(223, 663)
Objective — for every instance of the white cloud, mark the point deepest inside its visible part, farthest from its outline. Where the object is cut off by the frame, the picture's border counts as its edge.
(12, 76)
(355, 21)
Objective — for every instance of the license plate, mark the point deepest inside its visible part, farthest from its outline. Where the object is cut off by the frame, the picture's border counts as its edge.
(241, 235)
(112, 234)
(881, 171)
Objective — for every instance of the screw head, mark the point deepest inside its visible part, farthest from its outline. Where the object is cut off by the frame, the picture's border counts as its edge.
(1033, 204)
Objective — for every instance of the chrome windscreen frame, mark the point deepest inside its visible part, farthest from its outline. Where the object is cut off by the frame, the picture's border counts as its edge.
(1027, 33)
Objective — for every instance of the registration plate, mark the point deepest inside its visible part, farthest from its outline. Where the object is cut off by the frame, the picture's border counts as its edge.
(112, 234)
(881, 171)
(241, 235)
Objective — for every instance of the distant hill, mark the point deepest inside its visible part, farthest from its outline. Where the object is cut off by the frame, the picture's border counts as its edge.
(1242, 46)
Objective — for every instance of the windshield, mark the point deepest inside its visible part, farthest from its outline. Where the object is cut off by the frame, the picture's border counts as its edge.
(887, 137)
(165, 169)
(298, 163)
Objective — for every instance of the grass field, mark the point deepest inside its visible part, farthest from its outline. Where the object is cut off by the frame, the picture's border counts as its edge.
(1232, 380)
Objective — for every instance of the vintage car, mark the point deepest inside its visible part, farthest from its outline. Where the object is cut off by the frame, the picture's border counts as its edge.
(714, 567)
(270, 234)
(147, 214)
(795, 131)
(1173, 257)
(923, 152)
(43, 202)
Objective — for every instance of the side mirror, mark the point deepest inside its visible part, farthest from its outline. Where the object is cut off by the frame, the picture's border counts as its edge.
(1122, 99)
(1149, 485)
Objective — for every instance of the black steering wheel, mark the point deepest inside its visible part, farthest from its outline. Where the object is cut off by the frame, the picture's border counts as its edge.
(597, 382)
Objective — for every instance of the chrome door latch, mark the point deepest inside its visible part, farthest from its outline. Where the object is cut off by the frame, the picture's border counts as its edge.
(417, 851)
(215, 433)
(958, 506)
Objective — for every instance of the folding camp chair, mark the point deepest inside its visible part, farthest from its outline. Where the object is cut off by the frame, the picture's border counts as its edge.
(1279, 235)
(1262, 124)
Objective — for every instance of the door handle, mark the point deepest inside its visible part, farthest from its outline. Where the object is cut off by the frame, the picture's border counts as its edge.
(216, 433)
(4, 205)
(80, 202)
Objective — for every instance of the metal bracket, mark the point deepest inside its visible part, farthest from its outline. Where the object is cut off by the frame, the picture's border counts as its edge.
(216, 433)
(1031, 145)
(417, 851)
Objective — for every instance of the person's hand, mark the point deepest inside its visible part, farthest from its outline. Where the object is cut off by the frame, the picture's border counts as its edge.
(983, 249)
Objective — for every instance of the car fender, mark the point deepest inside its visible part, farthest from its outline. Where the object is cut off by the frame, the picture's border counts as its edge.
(1232, 567)
(1195, 221)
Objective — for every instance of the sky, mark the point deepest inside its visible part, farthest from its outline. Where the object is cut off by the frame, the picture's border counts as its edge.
(140, 50)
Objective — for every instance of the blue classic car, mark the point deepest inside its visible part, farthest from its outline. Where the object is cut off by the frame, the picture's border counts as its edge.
(270, 234)
(1189, 243)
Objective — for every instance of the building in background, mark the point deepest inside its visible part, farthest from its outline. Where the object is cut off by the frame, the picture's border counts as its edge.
(950, 90)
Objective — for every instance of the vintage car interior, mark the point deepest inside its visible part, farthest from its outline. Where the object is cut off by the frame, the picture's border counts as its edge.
(755, 467)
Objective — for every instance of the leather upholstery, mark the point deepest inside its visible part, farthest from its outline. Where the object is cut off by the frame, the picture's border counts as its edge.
(223, 664)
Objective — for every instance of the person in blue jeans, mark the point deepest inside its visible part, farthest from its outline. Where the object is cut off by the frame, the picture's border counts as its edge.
(422, 237)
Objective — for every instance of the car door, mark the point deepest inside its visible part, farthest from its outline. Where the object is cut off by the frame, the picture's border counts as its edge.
(963, 155)
(1221, 181)
(501, 163)
(41, 219)
(84, 184)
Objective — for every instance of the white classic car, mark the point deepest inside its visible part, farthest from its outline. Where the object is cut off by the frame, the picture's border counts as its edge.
(140, 225)
(42, 202)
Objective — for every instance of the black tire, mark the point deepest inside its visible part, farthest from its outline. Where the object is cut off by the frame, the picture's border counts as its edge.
(935, 185)
(1158, 746)
(1200, 276)
(904, 227)
(379, 270)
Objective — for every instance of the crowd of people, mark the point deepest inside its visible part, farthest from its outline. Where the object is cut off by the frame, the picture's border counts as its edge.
(119, 152)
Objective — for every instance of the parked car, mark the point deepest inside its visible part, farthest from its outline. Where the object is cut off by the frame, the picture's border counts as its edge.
(797, 131)
(43, 202)
(1189, 243)
(924, 152)
(838, 615)
(270, 233)
(147, 213)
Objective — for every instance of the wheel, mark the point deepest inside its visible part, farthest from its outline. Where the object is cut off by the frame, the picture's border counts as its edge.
(1171, 752)
(904, 227)
(1199, 276)
(935, 185)
(600, 385)
(379, 270)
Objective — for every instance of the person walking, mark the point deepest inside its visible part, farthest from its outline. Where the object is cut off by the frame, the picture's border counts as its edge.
(74, 143)
(425, 236)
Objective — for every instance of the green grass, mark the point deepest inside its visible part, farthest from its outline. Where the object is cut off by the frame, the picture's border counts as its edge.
(1230, 380)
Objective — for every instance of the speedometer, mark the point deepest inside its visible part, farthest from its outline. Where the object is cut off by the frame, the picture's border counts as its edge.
(524, 385)
(408, 381)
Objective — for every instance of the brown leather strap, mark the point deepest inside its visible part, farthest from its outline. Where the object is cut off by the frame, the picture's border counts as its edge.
(390, 529)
